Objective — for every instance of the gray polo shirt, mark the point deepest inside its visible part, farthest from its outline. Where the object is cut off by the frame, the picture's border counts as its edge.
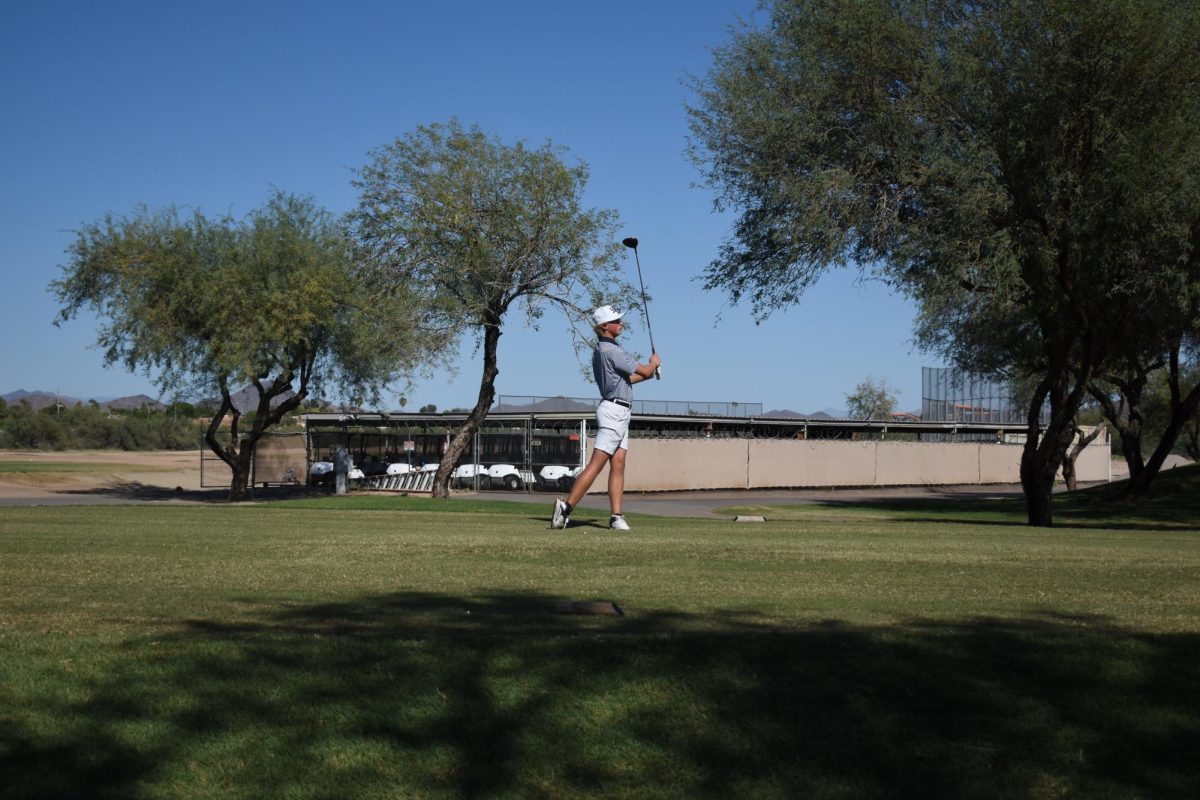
(612, 367)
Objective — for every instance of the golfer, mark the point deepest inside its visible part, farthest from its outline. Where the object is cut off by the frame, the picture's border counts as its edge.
(616, 371)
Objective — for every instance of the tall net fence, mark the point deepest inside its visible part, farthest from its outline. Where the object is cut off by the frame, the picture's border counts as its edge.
(951, 395)
(280, 459)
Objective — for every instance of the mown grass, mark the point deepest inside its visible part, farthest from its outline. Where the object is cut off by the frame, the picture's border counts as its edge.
(318, 649)
(375, 501)
(1173, 504)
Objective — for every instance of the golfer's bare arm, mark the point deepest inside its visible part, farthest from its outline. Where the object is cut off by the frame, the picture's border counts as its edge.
(645, 371)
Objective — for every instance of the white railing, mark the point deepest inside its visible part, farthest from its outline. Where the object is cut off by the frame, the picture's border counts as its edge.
(408, 482)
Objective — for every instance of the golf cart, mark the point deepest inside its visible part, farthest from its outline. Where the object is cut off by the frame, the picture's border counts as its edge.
(464, 475)
(507, 475)
(554, 476)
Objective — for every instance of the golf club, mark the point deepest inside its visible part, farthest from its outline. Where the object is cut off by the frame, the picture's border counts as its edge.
(632, 242)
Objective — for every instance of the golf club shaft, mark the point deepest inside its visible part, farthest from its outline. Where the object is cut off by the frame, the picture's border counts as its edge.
(646, 308)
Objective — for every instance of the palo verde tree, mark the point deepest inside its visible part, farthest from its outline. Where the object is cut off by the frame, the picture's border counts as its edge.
(1026, 170)
(873, 398)
(480, 228)
(205, 306)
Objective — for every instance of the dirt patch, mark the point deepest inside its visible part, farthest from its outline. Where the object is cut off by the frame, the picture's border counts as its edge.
(170, 470)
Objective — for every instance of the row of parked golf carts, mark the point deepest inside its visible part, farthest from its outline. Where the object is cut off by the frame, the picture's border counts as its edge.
(552, 477)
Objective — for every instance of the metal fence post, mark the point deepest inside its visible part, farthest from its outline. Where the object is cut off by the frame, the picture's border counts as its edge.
(475, 460)
(527, 466)
(582, 443)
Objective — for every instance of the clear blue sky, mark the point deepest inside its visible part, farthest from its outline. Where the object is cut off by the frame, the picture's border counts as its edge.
(110, 105)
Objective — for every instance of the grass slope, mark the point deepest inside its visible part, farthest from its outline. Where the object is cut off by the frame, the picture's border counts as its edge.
(318, 651)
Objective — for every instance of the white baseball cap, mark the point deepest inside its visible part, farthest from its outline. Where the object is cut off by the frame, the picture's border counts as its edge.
(605, 314)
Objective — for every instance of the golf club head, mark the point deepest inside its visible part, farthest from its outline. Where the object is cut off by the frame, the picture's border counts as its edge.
(630, 242)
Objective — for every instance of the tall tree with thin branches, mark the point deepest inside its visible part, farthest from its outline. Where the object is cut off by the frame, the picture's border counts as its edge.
(1027, 170)
(274, 301)
(481, 229)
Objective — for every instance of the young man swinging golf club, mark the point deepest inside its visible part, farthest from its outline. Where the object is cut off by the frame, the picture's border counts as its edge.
(616, 371)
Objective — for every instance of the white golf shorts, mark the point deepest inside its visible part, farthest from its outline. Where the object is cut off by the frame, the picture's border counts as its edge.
(612, 427)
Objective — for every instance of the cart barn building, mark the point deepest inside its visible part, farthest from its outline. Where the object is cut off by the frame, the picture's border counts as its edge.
(531, 443)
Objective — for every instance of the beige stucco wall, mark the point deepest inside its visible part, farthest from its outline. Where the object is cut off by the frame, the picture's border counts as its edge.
(675, 464)
(1094, 464)
(1001, 463)
(922, 463)
(792, 462)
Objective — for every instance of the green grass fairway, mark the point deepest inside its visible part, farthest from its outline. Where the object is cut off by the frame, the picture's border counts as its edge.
(398, 647)
(1173, 505)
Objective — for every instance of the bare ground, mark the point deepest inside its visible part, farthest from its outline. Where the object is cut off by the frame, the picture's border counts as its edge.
(98, 474)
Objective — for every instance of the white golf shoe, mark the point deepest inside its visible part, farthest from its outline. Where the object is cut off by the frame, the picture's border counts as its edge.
(617, 522)
(560, 518)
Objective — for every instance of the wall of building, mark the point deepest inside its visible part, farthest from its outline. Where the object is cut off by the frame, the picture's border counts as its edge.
(676, 464)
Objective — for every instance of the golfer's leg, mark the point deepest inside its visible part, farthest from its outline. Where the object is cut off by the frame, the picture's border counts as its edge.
(584, 481)
(616, 479)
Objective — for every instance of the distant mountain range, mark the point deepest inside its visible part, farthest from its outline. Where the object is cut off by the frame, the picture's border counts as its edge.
(546, 406)
(244, 400)
(41, 398)
(830, 413)
(787, 413)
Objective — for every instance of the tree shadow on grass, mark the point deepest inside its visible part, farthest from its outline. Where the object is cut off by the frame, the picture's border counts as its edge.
(1093, 512)
(135, 490)
(435, 695)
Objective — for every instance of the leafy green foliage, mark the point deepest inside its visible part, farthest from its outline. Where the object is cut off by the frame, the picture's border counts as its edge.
(89, 427)
(1028, 171)
(477, 226)
(205, 306)
(874, 398)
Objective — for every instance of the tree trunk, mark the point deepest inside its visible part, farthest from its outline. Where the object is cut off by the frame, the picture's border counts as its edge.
(228, 453)
(238, 455)
(1127, 418)
(1037, 480)
(1068, 471)
(1182, 410)
(1037, 488)
(1068, 465)
(1033, 483)
(487, 393)
(1043, 454)
(240, 482)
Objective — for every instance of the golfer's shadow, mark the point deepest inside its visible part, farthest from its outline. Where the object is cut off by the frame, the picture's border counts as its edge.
(583, 523)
